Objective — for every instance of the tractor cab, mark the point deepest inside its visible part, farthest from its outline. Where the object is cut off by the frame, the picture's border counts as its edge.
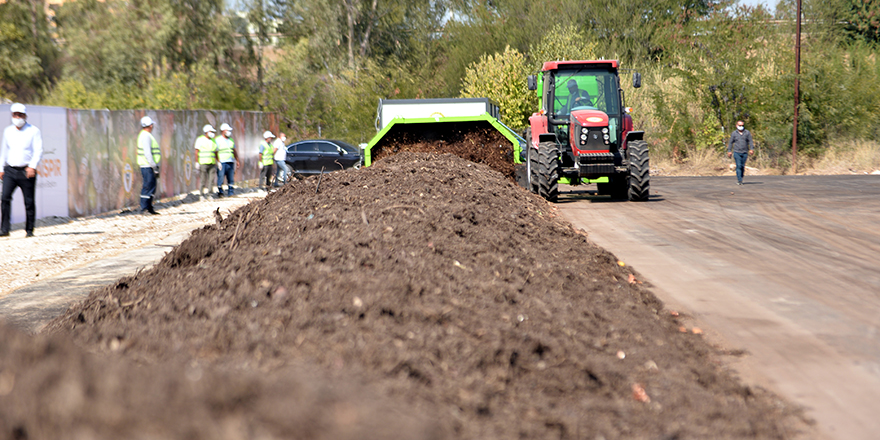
(580, 133)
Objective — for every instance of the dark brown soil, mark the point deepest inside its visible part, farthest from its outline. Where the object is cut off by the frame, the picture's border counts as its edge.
(470, 141)
(425, 282)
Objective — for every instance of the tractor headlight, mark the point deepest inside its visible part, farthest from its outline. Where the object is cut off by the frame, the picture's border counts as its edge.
(584, 130)
(583, 137)
(606, 137)
(605, 130)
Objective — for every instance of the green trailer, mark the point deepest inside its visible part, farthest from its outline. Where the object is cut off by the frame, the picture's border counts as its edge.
(436, 119)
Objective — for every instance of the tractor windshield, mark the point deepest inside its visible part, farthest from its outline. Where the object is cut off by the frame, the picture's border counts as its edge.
(587, 89)
(594, 89)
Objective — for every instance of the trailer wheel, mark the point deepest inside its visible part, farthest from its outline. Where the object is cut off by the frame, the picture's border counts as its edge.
(639, 171)
(532, 167)
(548, 171)
(619, 186)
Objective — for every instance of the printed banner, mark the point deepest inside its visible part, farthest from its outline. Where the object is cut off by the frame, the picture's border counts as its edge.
(51, 192)
(102, 154)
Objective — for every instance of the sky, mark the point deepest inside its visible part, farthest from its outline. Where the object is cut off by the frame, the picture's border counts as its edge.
(768, 4)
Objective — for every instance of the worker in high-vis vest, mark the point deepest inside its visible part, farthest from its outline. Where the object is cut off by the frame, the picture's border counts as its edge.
(148, 157)
(267, 158)
(206, 158)
(228, 157)
(282, 170)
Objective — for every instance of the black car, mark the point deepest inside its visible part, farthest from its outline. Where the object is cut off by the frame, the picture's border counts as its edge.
(311, 156)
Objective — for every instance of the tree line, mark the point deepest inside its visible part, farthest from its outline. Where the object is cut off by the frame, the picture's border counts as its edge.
(323, 65)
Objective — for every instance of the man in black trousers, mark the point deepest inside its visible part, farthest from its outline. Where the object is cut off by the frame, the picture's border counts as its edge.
(20, 152)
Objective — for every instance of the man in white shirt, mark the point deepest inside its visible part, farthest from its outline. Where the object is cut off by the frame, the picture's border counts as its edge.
(282, 170)
(20, 152)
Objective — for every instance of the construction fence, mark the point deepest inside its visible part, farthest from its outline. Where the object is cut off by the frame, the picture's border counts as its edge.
(89, 163)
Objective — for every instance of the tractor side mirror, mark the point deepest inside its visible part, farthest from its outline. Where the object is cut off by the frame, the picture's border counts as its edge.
(533, 82)
(637, 80)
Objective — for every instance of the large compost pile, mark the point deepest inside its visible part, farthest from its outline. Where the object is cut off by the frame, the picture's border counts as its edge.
(423, 297)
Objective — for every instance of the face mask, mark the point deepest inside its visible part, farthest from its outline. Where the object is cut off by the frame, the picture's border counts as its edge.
(210, 135)
(740, 127)
(18, 122)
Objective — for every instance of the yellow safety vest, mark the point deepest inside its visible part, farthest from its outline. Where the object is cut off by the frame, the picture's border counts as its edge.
(225, 149)
(268, 154)
(142, 160)
(206, 147)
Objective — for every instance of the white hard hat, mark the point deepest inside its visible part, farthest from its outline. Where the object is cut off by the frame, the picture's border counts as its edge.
(268, 134)
(208, 128)
(18, 108)
(146, 121)
(225, 127)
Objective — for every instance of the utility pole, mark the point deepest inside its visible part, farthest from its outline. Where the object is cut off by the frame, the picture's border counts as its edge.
(797, 88)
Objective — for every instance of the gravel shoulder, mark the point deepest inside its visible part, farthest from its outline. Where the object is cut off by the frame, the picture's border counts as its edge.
(61, 244)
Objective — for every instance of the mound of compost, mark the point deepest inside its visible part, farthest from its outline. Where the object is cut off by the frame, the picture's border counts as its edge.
(52, 389)
(433, 282)
(480, 144)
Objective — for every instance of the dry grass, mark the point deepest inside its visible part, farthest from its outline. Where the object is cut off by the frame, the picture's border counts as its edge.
(708, 163)
(846, 157)
(842, 157)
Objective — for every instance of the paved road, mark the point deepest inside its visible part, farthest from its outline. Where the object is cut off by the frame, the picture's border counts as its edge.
(784, 267)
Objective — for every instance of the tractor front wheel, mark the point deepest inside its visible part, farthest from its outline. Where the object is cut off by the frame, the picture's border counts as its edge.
(548, 170)
(639, 171)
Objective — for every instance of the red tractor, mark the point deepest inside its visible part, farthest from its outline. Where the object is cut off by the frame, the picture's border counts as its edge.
(582, 133)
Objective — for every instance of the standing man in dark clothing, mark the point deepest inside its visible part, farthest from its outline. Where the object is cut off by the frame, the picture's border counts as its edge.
(20, 152)
(148, 157)
(740, 147)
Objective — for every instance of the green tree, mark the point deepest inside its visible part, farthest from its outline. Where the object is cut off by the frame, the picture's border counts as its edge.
(562, 42)
(712, 79)
(861, 19)
(197, 30)
(502, 79)
(341, 33)
(28, 58)
(151, 53)
(17, 64)
(636, 30)
(72, 93)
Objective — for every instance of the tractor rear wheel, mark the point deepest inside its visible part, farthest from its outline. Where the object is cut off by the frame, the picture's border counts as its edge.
(548, 170)
(639, 171)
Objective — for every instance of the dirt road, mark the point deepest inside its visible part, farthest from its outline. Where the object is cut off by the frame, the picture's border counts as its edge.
(785, 268)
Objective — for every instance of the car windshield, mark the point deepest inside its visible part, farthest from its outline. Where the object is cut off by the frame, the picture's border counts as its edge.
(597, 89)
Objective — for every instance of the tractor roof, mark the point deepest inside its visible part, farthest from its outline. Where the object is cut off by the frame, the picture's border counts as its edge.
(555, 65)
